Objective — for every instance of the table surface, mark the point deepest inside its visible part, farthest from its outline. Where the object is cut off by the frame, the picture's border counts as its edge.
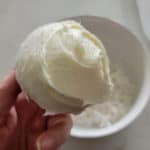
(19, 17)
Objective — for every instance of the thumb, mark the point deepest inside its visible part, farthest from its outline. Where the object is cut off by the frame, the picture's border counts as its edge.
(9, 89)
(58, 131)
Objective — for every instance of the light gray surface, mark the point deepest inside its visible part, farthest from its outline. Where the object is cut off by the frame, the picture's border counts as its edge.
(19, 17)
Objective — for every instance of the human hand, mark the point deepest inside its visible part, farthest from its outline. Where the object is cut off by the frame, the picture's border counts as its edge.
(22, 124)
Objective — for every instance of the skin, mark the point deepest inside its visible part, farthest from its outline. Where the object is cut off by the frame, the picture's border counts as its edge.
(22, 124)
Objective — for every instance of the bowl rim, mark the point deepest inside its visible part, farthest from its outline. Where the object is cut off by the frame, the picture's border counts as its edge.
(140, 102)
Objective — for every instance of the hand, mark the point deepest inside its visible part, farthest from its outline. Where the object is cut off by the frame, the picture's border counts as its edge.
(22, 124)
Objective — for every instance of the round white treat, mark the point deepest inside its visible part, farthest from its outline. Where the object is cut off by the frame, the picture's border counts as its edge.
(62, 66)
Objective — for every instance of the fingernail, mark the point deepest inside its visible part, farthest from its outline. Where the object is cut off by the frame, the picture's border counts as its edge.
(55, 122)
(56, 119)
(38, 145)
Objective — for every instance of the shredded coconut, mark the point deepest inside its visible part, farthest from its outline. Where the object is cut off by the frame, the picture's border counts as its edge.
(115, 106)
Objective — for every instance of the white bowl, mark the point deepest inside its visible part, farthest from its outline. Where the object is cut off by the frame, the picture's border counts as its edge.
(126, 50)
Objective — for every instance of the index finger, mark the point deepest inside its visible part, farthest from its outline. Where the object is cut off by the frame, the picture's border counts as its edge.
(9, 89)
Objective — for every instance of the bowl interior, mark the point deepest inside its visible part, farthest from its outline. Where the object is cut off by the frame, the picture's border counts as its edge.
(123, 49)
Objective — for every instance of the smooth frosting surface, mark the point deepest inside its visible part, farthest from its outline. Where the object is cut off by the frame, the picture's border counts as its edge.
(68, 61)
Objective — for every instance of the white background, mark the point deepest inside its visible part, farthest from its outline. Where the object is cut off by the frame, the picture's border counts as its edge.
(19, 17)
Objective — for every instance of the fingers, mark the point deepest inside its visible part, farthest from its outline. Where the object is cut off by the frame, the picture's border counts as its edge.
(58, 131)
(37, 126)
(8, 132)
(26, 110)
(30, 121)
(38, 123)
(9, 89)
(12, 120)
(9, 121)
